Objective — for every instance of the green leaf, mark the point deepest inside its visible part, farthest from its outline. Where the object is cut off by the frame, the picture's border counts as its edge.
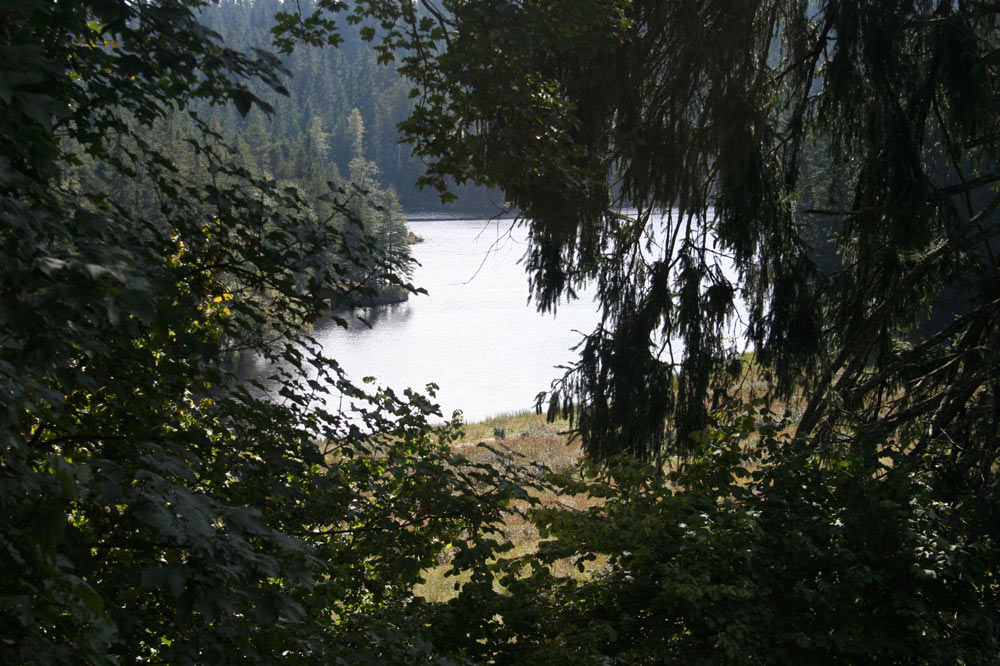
(244, 101)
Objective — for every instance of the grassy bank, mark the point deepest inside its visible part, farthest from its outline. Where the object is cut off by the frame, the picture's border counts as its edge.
(526, 434)
(529, 436)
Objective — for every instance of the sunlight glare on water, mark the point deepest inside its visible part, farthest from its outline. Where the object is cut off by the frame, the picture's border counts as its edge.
(474, 333)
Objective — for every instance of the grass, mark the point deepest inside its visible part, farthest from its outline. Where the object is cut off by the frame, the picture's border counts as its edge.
(528, 435)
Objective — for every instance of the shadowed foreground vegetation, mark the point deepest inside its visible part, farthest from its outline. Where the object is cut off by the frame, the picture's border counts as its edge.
(154, 509)
(529, 438)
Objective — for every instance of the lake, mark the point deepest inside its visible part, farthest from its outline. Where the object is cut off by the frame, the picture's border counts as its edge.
(474, 334)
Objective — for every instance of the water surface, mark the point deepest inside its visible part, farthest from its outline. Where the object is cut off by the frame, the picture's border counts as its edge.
(474, 334)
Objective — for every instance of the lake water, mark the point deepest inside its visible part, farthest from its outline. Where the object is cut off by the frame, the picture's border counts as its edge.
(474, 334)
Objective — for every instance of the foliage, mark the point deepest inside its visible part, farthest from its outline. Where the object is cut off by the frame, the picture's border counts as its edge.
(154, 507)
(756, 551)
(577, 108)
(740, 133)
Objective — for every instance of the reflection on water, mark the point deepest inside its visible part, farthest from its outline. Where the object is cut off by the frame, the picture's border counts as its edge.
(365, 318)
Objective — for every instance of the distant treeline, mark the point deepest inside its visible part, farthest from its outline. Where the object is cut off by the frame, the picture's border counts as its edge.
(310, 137)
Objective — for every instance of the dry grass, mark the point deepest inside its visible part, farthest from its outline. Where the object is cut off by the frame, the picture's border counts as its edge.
(530, 437)
(525, 434)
